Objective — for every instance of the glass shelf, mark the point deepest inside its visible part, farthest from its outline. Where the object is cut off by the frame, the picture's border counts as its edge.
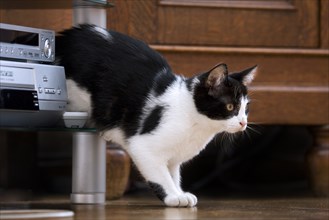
(48, 129)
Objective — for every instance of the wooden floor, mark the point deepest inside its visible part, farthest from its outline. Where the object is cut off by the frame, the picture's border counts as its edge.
(148, 207)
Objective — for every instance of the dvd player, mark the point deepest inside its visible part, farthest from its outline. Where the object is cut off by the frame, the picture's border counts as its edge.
(31, 94)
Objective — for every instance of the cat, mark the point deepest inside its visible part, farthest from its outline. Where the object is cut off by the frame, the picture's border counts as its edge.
(134, 99)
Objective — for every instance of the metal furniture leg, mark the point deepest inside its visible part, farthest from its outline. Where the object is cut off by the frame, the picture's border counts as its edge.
(89, 150)
(89, 168)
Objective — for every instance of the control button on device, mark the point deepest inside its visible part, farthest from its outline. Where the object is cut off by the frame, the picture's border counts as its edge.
(50, 91)
(47, 48)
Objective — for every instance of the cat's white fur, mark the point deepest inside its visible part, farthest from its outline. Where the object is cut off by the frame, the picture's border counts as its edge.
(181, 135)
(103, 33)
(78, 98)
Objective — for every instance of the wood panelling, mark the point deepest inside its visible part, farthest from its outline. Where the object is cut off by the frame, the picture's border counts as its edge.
(240, 27)
(55, 15)
(276, 67)
(250, 4)
(324, 24)
(118, 18)
(279, 105)
(135, 18)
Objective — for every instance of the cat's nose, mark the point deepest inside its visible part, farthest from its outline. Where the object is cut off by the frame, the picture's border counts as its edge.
(243, 123)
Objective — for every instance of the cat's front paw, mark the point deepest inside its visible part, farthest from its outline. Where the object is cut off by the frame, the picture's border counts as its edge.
(182, 200)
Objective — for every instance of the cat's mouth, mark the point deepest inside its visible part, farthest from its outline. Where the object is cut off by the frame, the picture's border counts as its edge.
(236, 128)
(243, 127)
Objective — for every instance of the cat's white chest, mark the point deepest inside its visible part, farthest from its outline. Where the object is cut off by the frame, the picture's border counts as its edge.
(191, 142)
(190, 131)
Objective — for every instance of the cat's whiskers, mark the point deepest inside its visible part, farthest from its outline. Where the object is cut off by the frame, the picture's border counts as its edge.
(245, 133)
(230, 138)
(218, 139)
(225, 142)
(256, 124)
(224, 139)
(253, 129)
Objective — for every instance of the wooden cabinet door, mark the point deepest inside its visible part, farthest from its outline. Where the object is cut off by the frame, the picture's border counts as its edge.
(254, 23)
(225, 23)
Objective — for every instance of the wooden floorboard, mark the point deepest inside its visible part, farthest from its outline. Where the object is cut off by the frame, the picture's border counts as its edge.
(146, 207)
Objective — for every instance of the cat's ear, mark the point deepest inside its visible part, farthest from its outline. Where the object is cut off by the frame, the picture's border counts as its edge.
(216, 75)
(245, 76)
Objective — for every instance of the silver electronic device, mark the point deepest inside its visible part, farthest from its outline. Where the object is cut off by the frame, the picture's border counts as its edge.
(31, 94)
(26, 43)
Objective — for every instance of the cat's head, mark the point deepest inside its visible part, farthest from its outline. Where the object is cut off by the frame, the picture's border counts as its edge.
(223, 97)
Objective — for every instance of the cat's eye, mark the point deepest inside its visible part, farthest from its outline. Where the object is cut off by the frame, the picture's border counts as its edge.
(230, 107)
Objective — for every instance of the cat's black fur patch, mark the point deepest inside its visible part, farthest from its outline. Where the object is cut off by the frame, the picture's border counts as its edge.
(189, 83)
(165, 79)
(119, 72)
(152, 120)
(214, 106)
(158, 190)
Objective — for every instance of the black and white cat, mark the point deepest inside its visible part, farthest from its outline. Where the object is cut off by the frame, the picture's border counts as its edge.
(161, 119)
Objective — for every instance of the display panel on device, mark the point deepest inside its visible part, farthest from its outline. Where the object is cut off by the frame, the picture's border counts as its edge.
(17, 89)
(28, 100)
(19, 37)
